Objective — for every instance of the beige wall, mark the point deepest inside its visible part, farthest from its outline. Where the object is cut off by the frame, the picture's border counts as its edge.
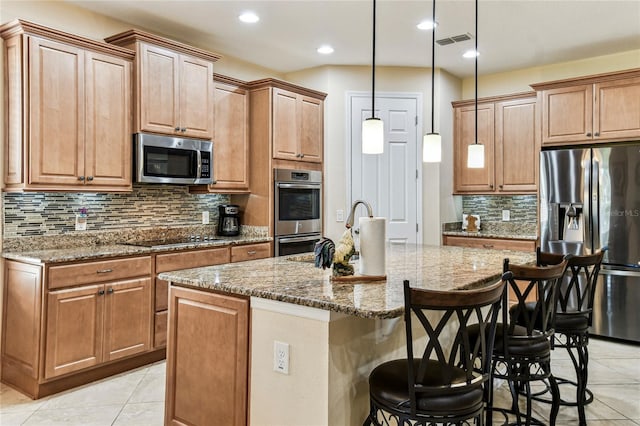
(337, 81)
(519, 80)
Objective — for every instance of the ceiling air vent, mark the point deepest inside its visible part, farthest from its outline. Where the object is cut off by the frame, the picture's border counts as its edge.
(455, 39)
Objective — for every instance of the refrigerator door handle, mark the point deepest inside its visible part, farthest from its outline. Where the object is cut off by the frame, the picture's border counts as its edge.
(595, 203)
(620, 272)
(587, 170)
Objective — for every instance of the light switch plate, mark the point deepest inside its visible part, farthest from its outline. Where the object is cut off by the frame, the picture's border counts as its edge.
(205, 217)
(506, 215)
(339, 215)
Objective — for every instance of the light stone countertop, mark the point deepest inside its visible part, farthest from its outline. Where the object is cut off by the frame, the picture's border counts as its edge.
(295, 279)
(99, 251)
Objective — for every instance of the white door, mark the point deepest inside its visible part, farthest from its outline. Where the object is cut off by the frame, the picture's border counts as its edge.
(388, 181)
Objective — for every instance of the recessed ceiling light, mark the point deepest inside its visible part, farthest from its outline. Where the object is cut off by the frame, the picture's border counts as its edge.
(426, 25)
(325, 49)
(470, 54)
(249, 18)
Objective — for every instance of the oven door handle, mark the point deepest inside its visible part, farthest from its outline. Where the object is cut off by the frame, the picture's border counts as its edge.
(299, 185)
(298, 239)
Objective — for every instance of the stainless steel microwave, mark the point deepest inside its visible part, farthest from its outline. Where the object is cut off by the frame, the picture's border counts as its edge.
(167, 159)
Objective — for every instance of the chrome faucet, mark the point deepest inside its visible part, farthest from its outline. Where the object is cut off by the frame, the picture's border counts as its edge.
(353, 211)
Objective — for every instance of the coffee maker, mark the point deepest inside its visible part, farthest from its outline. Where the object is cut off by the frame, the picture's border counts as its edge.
(228, 220)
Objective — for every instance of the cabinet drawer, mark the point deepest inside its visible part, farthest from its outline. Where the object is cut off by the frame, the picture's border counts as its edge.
(490, 243)
(250, 252)
(191, 259)
(94, 272)
(162, 295)
(160, 333)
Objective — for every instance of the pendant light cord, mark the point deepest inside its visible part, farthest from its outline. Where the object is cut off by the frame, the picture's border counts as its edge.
(476, 75)
(433, 61)
(373, 64)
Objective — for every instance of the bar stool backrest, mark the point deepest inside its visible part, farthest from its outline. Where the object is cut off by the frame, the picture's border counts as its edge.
(537, 317)
(445, 317)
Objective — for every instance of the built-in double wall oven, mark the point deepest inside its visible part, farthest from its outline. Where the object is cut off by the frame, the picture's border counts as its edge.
(298, 210)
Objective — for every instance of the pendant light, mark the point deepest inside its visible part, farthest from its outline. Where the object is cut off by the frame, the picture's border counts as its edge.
(432, 142)
(475, 153)
(372, 128)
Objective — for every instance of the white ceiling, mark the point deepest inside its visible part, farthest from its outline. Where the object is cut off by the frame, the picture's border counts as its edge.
(513, 34)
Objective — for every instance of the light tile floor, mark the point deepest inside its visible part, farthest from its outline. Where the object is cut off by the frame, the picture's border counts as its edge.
(136, 398)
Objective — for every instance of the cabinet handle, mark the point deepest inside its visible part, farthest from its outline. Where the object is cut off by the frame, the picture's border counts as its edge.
(596, 134)
(301, 155)
(184, 129)
(90, 178)
(297, 155)
(251, 252)
(110, 291)
(177, 129)
(488, 246)
(104, 271)
(101, 292)
(81, 178)
(501, 186)
(589, 134)
(491, 186)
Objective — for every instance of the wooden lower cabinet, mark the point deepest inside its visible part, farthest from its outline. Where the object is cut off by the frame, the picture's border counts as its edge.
(207, 358)
(66, 325)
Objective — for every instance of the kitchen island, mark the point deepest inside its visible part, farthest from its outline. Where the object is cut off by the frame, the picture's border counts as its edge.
(334, 333)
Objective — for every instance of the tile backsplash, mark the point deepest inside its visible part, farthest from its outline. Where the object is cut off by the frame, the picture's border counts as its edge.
(54, 213)
(523, 208)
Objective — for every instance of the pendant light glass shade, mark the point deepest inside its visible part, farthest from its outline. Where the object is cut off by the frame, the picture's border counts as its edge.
(475, 153)
(372, 136)
(475, 156)
(432, 148)
(432, 142)
(372, 127)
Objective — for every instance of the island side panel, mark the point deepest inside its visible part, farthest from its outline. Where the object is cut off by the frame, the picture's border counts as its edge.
(300, 397)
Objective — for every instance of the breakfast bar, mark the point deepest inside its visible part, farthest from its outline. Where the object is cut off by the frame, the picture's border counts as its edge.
(310, 343)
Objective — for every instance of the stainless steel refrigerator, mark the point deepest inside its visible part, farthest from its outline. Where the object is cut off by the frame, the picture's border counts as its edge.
(590, 198)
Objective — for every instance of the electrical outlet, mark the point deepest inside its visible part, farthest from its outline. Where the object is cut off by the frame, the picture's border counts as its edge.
(280, 357)
(340, 215)
(205, 217)
(506, 215)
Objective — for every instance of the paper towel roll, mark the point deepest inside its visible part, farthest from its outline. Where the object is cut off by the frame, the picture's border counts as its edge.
(372, 246)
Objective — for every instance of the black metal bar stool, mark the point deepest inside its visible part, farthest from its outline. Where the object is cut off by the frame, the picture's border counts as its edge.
(446, 383)
(574, 311)
(523, 340)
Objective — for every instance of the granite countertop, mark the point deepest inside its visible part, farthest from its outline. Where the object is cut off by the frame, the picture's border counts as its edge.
(295, 279)
(114, 250)
(492, 234)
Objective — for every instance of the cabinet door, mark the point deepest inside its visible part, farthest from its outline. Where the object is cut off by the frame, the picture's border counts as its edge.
(128, 316)
(285, 125)
(311, 129)
(231, 138)
(158, 107)
(218, 326)
(617, 109)
(108, 121)
(196, 97)
(74, 329)
(56, 113)
(567, 114)
(517, 146)
(466, 179)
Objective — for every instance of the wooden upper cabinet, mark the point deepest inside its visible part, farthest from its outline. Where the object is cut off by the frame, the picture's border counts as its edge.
(297, 121)
(74, 97)
(567, 114)
(591, 109)
(466, 179)
(174, 84)
(230, 137)
(517, 145)
(285, 125)
(507, 127)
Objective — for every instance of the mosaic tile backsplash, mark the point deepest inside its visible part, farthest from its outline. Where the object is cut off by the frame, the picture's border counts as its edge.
(36, 214)
(523, 208)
